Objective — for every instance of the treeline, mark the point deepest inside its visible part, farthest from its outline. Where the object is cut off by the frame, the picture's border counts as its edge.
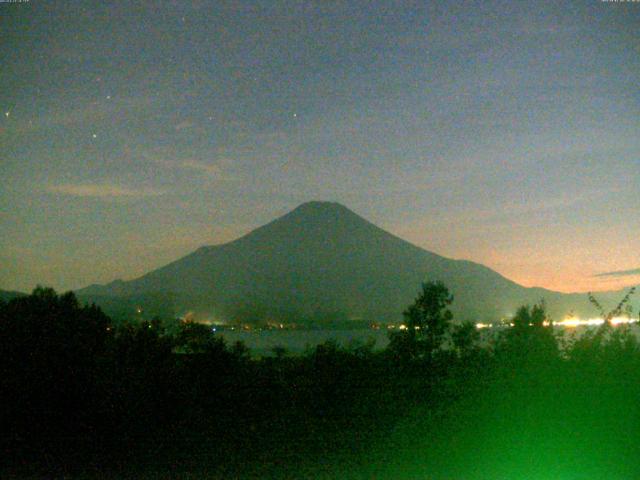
(82, 397)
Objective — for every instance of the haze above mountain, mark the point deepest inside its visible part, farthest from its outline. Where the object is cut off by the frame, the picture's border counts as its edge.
(323, 261)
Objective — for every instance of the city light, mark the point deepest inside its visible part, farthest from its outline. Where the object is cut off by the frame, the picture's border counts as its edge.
(574, 322)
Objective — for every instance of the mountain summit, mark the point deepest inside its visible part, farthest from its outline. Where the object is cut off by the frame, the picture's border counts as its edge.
(322, 261)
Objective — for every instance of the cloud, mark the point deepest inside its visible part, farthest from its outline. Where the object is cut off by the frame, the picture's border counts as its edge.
(208, 168)
(183, 125)
(102, 190)
(620, 273)
(86, 113)
(220, 168)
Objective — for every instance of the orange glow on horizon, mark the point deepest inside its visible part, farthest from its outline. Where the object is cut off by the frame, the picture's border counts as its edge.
(574, 284)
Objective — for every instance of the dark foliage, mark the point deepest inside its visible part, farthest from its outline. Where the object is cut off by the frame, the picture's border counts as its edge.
(152, 400)
(427, 321)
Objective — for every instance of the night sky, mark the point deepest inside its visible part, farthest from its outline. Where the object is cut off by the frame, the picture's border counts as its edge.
(507, 133)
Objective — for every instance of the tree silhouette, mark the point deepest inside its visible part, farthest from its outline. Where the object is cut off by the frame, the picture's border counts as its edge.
(617, 311)
(195, 337)
(51, 350)
(530, 339)
(427, 320)
(465, 336)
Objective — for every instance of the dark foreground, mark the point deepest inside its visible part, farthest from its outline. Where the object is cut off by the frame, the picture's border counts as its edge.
(84, 399)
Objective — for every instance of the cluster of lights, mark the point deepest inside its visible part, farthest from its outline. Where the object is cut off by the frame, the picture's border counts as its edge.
(404, 327)
(572, 322)
(484, 325)
(577, 322)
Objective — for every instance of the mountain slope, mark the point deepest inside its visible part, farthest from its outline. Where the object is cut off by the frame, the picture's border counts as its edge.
(322, 260)
(6, 295)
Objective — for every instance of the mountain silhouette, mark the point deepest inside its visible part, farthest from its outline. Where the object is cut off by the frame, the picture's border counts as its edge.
(323, 261)
(6, 295)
